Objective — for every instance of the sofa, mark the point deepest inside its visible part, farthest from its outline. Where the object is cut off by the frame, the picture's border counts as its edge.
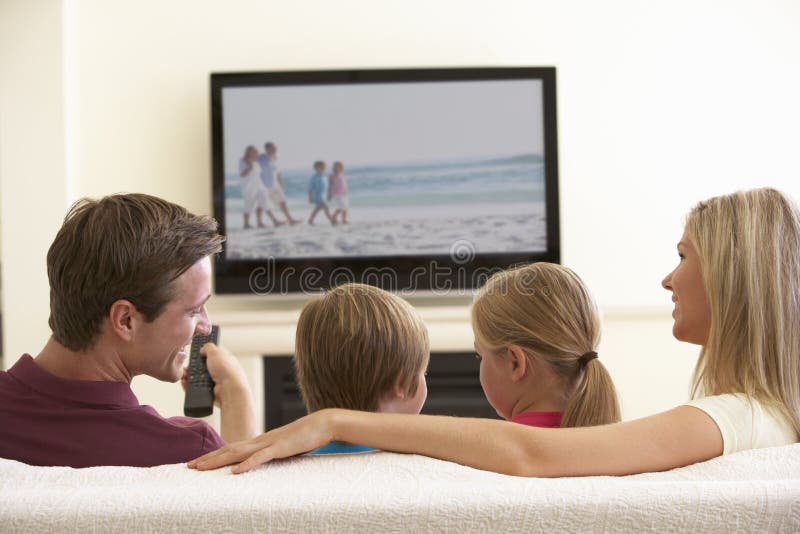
(751, 491)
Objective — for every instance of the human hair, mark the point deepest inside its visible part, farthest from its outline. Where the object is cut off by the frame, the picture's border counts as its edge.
(247, 151)
(546, 310)
(748, 244)
(269, 145)
(124, 246)
(318, 163)
(337, 164)
(353, 344)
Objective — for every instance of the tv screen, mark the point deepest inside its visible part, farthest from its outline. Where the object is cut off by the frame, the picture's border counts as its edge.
(412, 180)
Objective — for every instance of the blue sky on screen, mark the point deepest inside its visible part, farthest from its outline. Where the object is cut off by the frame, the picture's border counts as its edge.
(384, 123)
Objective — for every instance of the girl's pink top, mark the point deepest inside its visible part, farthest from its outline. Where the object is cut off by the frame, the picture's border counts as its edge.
(338, 185)
(541, 419)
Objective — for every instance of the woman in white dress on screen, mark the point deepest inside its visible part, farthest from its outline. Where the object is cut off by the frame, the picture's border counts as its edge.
(254, 194)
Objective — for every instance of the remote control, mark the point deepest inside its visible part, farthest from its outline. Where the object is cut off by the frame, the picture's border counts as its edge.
(199, 400)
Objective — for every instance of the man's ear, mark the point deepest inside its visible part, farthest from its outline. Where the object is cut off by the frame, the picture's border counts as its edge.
(519, 363)
(123, 319)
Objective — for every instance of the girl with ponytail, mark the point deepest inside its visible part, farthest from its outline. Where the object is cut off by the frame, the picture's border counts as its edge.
(536, 332)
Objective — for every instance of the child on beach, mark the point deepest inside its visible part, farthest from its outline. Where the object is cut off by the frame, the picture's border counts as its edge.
(536, 332)
(337, 192)
(316, 186)
(362, 348)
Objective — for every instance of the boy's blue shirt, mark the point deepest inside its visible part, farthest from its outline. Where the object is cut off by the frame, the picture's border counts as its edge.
(317, 187)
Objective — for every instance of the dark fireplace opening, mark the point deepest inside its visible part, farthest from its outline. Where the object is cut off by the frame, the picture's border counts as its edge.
(453, 389)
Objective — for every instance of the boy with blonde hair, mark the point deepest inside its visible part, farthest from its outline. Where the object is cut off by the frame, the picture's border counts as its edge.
(361, 348)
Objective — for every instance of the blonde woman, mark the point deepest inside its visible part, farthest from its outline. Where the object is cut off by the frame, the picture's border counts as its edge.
(536, 333)
(736, 291)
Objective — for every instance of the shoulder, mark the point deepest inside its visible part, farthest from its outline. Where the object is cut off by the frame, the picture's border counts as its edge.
(729, 404)
(745, 422)
(211, 441)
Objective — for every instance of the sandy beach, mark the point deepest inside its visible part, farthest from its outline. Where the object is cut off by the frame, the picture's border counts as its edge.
(392, 231)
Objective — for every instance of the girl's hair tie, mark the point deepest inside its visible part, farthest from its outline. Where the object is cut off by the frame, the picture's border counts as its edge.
(586, 358)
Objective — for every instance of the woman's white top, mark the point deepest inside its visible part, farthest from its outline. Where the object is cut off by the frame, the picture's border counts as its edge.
(746, 423)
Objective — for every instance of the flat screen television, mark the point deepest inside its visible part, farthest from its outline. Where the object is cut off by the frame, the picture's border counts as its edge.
(418, 180)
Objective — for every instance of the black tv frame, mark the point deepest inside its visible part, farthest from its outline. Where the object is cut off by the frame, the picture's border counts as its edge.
(270, 276)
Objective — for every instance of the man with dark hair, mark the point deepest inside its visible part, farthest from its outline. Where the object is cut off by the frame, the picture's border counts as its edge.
(129, 279)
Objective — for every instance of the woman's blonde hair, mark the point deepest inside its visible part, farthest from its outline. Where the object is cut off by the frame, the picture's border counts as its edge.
(546, 310)
(749, 249)
(354, 343)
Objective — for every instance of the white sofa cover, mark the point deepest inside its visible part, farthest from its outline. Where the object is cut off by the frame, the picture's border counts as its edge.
(752, 491)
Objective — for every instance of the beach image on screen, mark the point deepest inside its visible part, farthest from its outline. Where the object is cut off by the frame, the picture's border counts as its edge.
(402, 169)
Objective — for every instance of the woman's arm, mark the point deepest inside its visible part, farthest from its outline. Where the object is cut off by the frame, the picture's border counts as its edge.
(679, 437)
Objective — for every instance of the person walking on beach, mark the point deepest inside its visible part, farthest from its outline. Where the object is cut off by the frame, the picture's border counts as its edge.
(337, 192)
(254, 194)
(273, 181)
(315, 189)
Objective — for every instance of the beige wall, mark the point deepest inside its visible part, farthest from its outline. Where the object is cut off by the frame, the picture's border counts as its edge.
(33, 188)
(660, 104)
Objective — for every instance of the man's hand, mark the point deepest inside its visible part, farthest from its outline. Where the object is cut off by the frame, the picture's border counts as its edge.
(231, 393)
(225, 371)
